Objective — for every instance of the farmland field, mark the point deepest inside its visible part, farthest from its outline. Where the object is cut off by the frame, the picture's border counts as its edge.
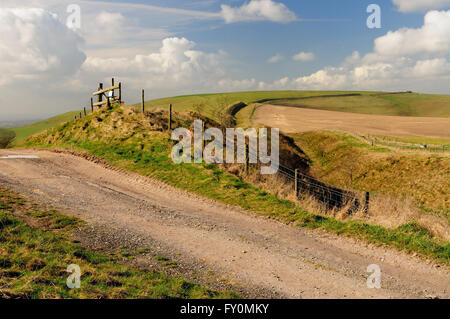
(294, 120)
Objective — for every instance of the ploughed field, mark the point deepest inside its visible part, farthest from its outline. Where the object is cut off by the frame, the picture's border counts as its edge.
(296, 120)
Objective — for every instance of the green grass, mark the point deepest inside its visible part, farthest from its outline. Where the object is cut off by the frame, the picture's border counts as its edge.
(33, 262)
(148, 153)
(23, 132)
(404, 104)
(211, 104)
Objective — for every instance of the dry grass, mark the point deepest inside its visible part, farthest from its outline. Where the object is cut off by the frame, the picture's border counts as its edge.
(385, 210)
(296, 120)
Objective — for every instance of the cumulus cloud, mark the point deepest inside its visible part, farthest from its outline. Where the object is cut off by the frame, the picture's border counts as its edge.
(36, 45)
(176, 66)
(432, 37)
(420, 5)
(431, 67)
(276, 58)
(402, 59)
(258, 10)
(304, 57)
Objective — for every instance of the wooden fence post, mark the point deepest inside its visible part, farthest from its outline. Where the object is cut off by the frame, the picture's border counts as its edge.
(112, 82)
(170, 117)
(100, 96)
(297, 189)
(143, 101)
(120, 93)
(366, 205)
(92, 105)
(80, 115)
(84, 111)
(247, 159)
(203, 136)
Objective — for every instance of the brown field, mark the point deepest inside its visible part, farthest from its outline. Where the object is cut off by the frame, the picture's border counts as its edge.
(296, 120)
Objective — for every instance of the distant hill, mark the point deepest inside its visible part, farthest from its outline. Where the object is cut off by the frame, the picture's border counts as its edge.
(23, 132)
(10, 124)
(398, 104)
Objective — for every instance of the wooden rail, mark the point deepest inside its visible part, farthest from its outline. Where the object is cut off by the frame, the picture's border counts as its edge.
(110, 98)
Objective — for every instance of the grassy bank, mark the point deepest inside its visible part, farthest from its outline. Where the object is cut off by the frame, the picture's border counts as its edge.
(346, 161)
(34, 259)
(136, 143)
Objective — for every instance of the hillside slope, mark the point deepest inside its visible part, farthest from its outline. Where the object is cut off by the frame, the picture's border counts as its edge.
(346, 161)
(398, 104)
(212, 105)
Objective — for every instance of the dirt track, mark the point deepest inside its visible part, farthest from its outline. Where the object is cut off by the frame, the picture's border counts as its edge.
(266, 257)
(295, 120)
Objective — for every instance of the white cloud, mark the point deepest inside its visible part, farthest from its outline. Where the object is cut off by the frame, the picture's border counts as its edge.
(406, 59)
(176, 66)
(276, 58)
(432, 37)
(430, 68)
(304, 57)
(258, 10)
(36, 45)
(420, 5)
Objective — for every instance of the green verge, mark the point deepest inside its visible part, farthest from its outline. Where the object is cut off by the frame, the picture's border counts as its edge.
(33, 262)
(149, 155)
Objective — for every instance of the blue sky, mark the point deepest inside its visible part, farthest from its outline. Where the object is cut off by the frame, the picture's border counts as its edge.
(174, 47)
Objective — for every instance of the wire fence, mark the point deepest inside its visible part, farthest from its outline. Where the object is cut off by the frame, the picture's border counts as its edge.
(381, 141)
(303, 184)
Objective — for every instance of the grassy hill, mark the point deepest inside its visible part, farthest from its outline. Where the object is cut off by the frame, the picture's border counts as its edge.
(211, 104)
(23, 132)
(346, 161)
(399, 104)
